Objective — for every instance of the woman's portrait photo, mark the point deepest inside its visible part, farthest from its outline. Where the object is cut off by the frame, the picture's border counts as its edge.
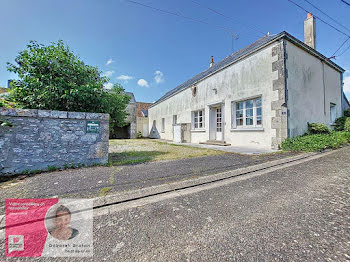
(62, 229)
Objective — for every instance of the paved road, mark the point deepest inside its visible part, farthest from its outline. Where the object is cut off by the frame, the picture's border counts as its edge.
(87, 182)
(299, 213)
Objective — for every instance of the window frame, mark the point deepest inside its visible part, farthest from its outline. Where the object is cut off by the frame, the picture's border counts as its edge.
(255, 116)
(195, 115)
(163, 125)
(174, 120)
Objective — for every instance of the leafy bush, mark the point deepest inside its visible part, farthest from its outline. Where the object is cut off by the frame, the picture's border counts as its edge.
(139, 134)
(316, 142)
(347, 125)
(347, 113)
(6, 102)
(52, 77)
(339, 123)
(317, 128)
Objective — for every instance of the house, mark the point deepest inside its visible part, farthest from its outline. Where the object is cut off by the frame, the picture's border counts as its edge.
(256, 97)
(142, 126)
(137, 120)
(129, 130)
(346, 103)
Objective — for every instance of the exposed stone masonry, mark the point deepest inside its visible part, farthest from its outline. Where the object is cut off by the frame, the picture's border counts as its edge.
(43, 138)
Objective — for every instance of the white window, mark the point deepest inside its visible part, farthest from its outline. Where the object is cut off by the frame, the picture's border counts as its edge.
(198, 119)
(333, 113)
(163, 125)
(247, 113)
(174, 119)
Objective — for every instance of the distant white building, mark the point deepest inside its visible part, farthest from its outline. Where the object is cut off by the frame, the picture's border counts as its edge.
(258, 96)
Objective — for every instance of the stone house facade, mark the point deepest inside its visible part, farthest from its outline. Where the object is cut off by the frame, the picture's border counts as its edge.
(256, 97)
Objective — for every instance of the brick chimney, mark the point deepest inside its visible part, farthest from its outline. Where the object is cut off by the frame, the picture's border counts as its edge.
(211, 61)
(310, 31)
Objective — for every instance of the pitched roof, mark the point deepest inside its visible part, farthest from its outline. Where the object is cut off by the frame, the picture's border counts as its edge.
(142, 109)
(132, 99)
(240, 54)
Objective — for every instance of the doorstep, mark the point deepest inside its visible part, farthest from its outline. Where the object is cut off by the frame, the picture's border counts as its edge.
(215, 143)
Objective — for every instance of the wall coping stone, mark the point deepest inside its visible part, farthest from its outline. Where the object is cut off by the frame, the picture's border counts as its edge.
(52, 114)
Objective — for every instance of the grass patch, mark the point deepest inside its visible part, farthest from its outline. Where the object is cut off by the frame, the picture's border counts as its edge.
(317, 142)
(111, 179)
(132, 157)
(104, 191)
(136, 151)
(51, 168)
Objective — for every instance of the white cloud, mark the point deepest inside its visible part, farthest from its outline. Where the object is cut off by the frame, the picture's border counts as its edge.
(108, 73)
(159, 77)
(108, 85)
(109, 61)
(125, 78)
(142, 82)
(347, 84)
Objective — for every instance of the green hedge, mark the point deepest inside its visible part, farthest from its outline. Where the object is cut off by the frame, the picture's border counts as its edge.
(317, 128)
(347, 125)
(339, 123)
(317, 142)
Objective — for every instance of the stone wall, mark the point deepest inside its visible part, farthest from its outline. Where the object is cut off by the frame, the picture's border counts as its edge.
(40, 139)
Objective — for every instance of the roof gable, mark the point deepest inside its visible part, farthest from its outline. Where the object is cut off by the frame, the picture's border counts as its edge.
(142, 109)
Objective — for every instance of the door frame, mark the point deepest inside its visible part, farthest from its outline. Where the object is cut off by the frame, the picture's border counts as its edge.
(212, 121)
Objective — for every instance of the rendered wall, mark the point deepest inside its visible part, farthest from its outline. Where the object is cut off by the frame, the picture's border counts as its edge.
(251, 77)
(141, 123)
(312, 85)
(43, 138)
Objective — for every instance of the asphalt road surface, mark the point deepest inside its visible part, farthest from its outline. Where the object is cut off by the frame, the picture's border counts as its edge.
(87, 182)
(299, 213)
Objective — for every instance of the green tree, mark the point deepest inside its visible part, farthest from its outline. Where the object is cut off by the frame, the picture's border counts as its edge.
(116, 103)
(53, 77)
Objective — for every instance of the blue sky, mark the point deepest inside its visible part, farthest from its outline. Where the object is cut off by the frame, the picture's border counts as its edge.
(150, 52)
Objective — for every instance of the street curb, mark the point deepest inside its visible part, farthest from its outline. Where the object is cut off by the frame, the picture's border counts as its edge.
(164, 188)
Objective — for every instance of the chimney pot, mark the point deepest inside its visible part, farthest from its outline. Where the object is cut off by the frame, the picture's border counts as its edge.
(211, 61)
(309, 15)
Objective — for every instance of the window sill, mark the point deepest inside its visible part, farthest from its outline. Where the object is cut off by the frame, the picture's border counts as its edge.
(247, 129)
(197, 130)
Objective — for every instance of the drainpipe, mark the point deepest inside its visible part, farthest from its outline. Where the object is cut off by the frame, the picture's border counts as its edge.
(324, 89)
(342, 93)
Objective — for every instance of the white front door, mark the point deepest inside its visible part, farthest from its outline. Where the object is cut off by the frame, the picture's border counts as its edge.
(219, 123)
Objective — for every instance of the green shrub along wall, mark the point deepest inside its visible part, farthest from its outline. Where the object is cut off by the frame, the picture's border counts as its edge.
(316, 142)
(347, 124)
